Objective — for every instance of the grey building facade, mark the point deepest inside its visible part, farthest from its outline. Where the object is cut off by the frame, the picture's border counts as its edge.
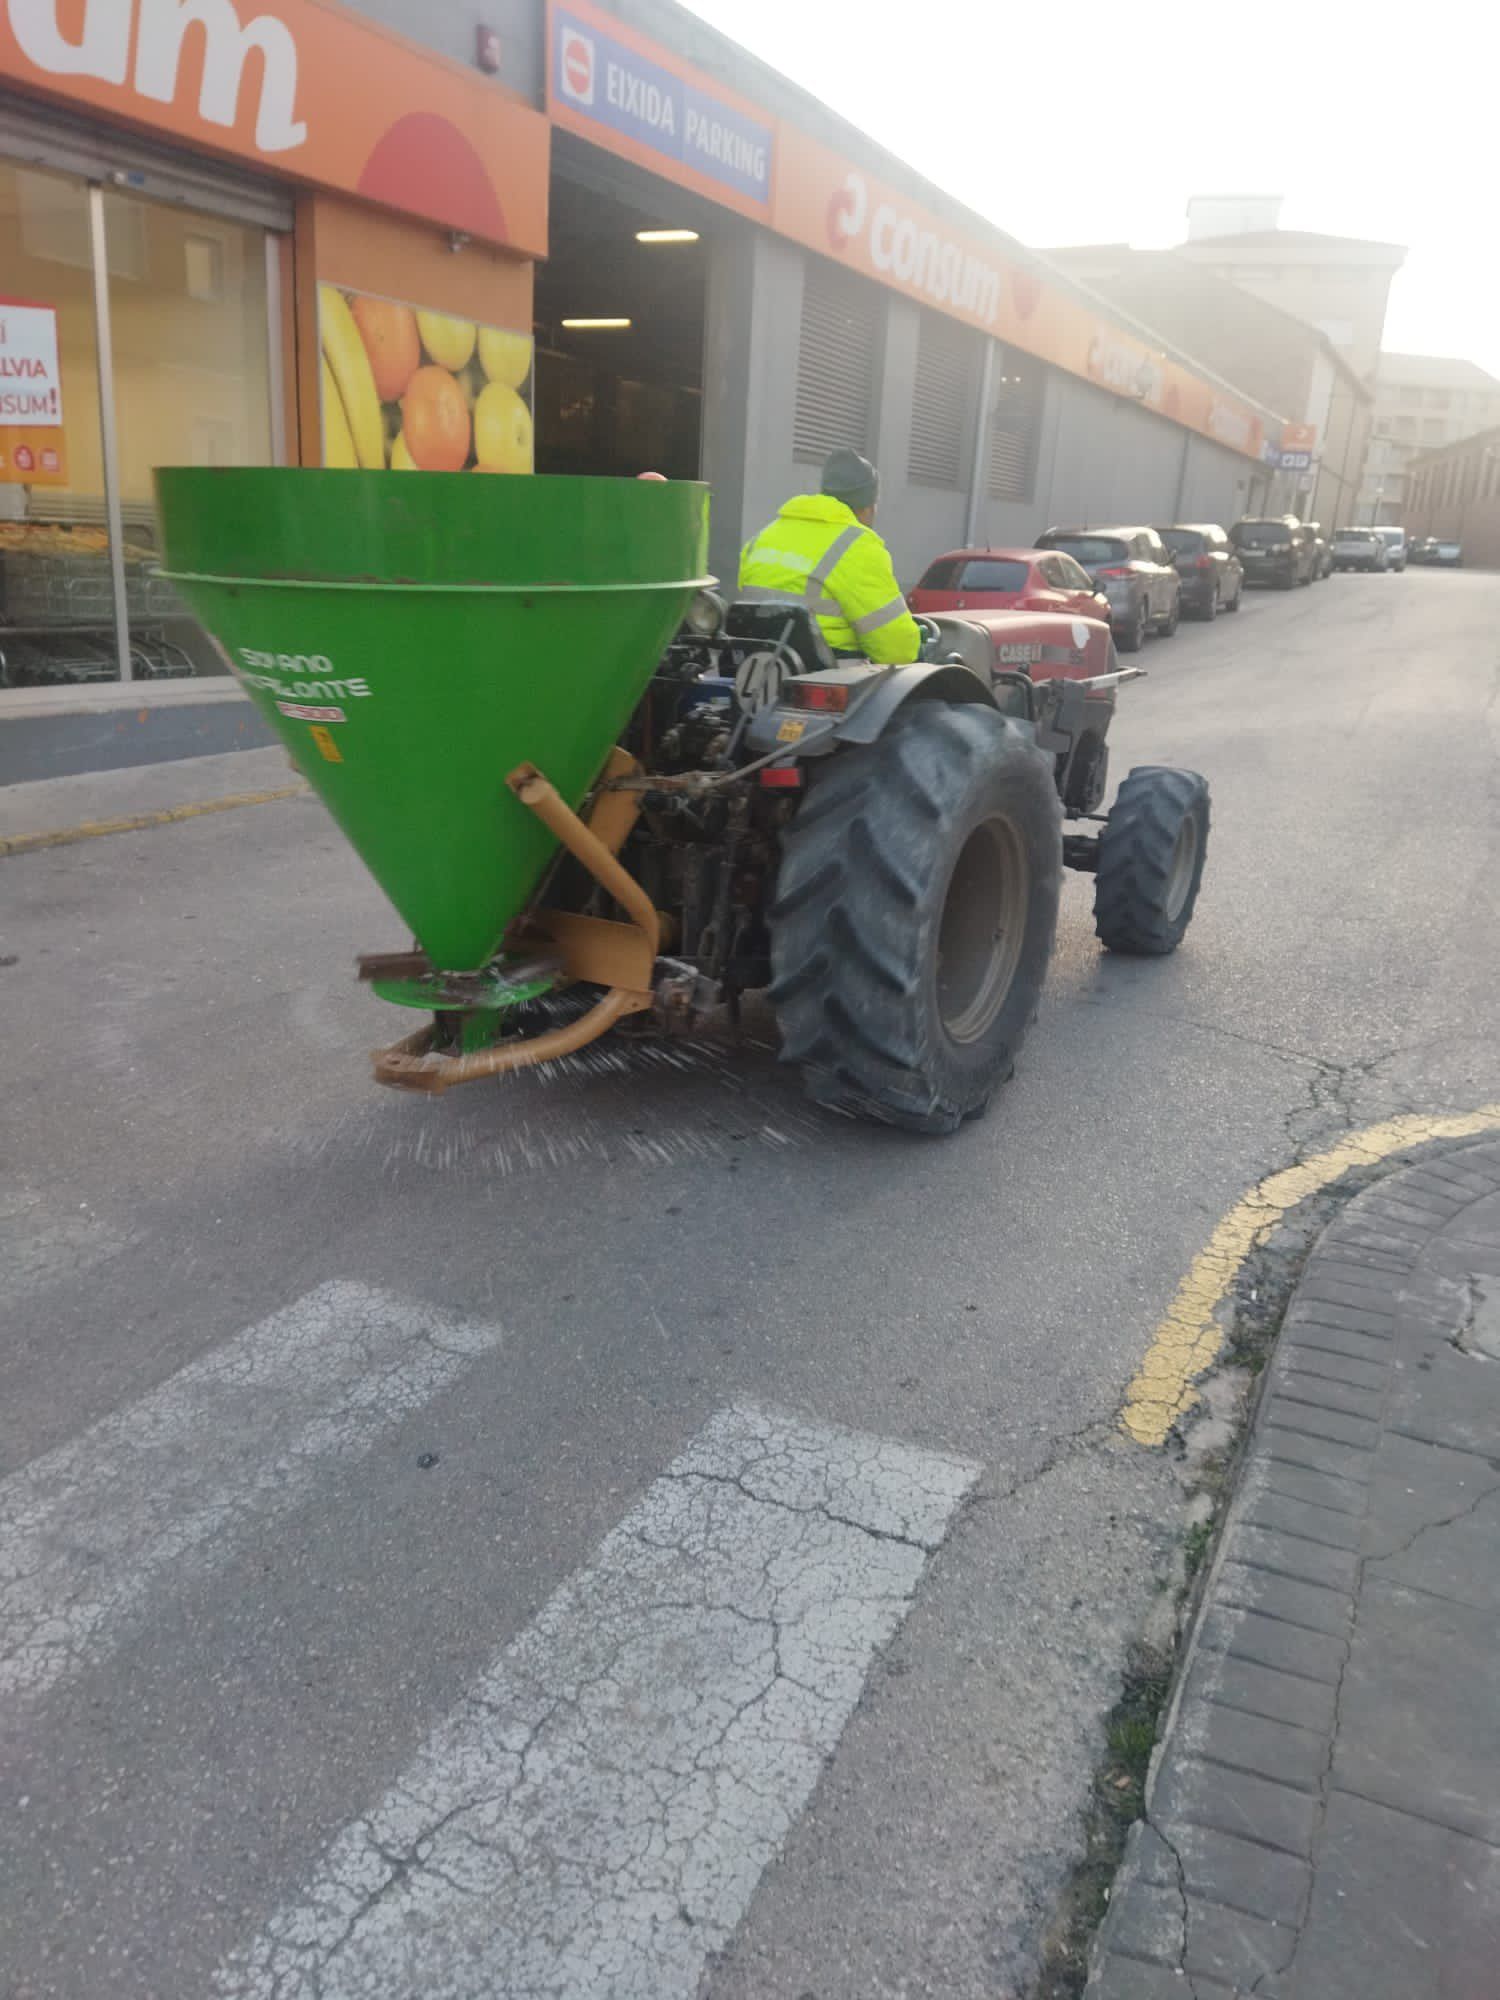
(683, 262)
(977, 440)
(1422, 402)
(1286, 362)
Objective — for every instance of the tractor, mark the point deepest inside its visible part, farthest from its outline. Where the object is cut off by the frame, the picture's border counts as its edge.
(595, 791)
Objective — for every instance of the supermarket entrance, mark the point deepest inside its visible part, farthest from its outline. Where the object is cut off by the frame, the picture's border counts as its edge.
(620, 314)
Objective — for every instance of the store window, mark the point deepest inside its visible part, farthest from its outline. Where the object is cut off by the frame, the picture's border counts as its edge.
(56, 594)
(156, 321)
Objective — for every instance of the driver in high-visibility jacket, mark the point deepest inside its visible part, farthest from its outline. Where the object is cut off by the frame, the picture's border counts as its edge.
(822, 548)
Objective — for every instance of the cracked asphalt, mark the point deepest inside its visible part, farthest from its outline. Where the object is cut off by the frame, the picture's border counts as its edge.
(634, 1247)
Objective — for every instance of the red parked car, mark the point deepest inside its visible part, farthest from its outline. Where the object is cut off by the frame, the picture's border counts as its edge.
(1009, 580)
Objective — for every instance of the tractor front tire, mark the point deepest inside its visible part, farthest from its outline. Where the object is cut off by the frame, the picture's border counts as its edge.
(1151, 854)
(914, 916)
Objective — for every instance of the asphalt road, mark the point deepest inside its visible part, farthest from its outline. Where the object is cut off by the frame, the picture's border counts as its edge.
(625, 1533)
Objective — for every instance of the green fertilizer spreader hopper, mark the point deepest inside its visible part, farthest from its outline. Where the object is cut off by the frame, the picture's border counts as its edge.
(450, 660)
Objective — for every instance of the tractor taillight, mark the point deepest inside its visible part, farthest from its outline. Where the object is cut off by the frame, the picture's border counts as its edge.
(781, 778)
(827, 696)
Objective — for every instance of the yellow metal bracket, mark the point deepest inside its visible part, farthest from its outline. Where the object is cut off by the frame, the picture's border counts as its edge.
(620, 957)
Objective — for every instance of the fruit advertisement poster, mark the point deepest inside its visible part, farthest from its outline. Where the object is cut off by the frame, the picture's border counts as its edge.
(408, 390)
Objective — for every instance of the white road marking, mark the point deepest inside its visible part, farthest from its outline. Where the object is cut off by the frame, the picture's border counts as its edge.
(177, 1480)
(591, 1821)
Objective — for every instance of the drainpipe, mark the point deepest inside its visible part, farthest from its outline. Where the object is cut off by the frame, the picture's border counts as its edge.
(981, 456)
(1349, 429)
(1182, 472)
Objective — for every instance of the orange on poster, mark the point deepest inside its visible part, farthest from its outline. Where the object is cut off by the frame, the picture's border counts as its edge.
(33, 449)
(406, 389)
(302, 88)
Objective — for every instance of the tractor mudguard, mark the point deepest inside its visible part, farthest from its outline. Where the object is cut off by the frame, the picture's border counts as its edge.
(933, 683)
(870, 711)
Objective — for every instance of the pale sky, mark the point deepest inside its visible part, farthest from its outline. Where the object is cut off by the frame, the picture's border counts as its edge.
(1093, 122)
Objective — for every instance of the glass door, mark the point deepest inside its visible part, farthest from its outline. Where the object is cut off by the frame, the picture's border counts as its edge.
(190, 333)
(57, 594)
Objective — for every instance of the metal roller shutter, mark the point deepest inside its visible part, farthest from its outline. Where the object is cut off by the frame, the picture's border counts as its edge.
(1015, 421)
(841, 320)
(41, 137)
(942, 402)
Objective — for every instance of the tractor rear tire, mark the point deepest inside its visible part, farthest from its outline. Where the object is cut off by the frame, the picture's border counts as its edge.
(914, 916)
(1151, 854)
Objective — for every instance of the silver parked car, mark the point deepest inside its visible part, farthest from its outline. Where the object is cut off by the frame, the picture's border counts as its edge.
(1133, 569)
(1359, 548)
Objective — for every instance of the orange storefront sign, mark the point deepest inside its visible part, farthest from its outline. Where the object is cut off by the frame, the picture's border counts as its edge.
(850, 215)
(300, 88)
(846, 213)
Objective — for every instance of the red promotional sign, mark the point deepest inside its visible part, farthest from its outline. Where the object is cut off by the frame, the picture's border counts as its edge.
(32, 440)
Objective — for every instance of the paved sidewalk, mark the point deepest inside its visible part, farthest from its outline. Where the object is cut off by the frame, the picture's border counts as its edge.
(52, 805)
(1324, 1815)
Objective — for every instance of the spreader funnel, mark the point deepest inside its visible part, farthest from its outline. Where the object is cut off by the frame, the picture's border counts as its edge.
(414, 639)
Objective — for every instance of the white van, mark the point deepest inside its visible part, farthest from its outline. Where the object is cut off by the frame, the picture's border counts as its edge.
(1395, 547)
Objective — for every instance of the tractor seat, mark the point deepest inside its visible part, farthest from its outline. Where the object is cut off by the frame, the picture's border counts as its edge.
(770, 621)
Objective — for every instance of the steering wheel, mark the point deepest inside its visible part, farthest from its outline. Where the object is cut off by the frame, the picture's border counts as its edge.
(932, 636)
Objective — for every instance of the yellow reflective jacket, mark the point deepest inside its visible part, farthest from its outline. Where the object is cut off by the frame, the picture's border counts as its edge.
(816, 549)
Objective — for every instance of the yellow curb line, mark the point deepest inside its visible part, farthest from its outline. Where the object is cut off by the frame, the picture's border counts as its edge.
(1189, 1338)
(92, 829)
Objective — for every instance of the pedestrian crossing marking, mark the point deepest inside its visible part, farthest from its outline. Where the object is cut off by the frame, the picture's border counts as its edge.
(590, 1821)
(170, 1486)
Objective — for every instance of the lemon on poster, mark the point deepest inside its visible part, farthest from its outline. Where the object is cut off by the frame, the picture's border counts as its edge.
(505, 356)
(448, 341)
(502, 430)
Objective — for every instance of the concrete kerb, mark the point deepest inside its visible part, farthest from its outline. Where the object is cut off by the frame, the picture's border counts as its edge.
(1296, 1536)
(46, 811)
(31, 843)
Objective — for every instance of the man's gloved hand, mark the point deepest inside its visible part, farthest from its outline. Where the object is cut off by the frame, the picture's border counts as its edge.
(931, 638)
